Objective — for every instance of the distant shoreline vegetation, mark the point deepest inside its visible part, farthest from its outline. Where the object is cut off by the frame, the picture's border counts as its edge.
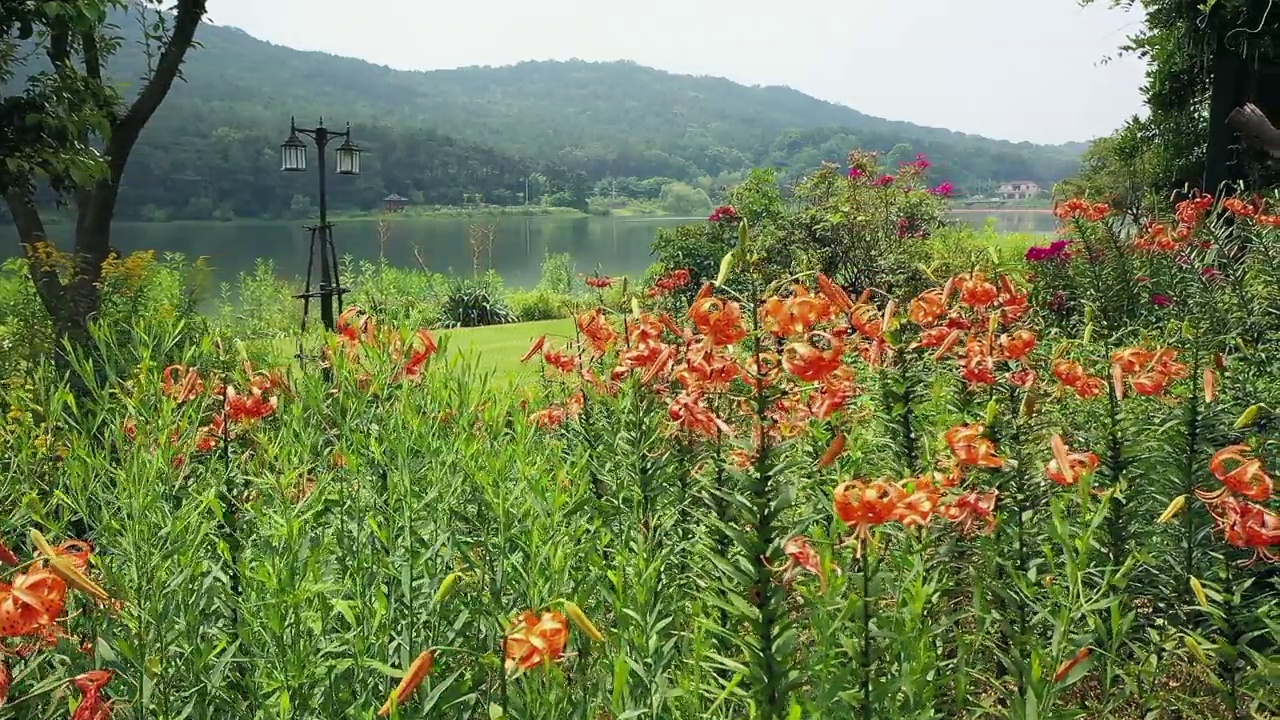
(429, 212)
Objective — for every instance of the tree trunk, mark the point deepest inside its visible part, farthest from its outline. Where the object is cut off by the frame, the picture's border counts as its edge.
(69, 322)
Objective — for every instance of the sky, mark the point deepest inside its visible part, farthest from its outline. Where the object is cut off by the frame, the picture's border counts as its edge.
(1045, 71)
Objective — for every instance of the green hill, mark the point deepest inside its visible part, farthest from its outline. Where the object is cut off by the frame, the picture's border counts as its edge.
(435, 136)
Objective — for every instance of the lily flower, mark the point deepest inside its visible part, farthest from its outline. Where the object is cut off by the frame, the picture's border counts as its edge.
(534, 639)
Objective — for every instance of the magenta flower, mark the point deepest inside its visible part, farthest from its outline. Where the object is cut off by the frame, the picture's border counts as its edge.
(855, 173)
(1210, 273)
(1056, 250)
(1161, 300)
(884, 181)
(724, 213)
(921, 163)
(944, 190)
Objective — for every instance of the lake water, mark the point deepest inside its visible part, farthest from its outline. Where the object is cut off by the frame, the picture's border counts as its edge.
(614, 246)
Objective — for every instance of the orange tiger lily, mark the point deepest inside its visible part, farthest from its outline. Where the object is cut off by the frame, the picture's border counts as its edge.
(811, 364)
(1247, 477)
(1244, 524)
(864, 505)
(182, 383)
(933, 337)
(836, 391)
(69, 562)
(92, 706)
(973, 513)
(796, 315)
(927, 308)
(917, 509)
(33, 602)
(720, 321)
(802, 556)
(978, 370)
(535, 348)
(425, 348)
(687, 411)
(248, 408)
(1091, 387)
(1131, 360)
(1066, 467)
(549, 418)
(560, 360)
(1014, 305)
(1018, 345)
(971, 448)
(533, 640)
(8, 557)
(1069, 372)
(976, 291)
(596, 328)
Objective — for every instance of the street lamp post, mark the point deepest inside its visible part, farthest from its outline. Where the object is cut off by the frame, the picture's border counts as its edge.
(293, 158)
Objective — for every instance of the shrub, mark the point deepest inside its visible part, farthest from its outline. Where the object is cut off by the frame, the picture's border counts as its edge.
(557, 273)
(472, 303)
(539, 304)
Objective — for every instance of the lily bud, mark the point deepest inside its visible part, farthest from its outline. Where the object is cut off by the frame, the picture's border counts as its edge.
(635, 306)
(583, 622)
(447, 587)
(413, 677)
(1088, 333)
(1195, 649)
(1060, 454)
(726, 264)
(1248, 417)
(1175, 507)
(992, 409)
(1210, 385)
(1198, 590)
(62, 567)
(833, 452)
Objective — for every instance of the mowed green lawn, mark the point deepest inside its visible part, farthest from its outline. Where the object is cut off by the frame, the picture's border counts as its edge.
(499, 347)
(496, 348)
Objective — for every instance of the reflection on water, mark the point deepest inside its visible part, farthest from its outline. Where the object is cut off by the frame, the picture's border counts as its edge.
(615, 246)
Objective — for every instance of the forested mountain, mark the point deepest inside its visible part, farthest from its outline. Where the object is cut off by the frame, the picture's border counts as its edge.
(435, 136)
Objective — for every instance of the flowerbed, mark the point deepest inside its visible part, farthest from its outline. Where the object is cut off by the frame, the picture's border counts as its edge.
(1028, 491)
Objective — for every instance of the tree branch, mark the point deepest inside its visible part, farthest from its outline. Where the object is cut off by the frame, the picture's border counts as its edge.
(94, 222)
(59, 50)
(124, 133)
(92, 56)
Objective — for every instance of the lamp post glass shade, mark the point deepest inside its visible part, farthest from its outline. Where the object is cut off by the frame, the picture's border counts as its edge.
(293, 154)
(348, 158)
